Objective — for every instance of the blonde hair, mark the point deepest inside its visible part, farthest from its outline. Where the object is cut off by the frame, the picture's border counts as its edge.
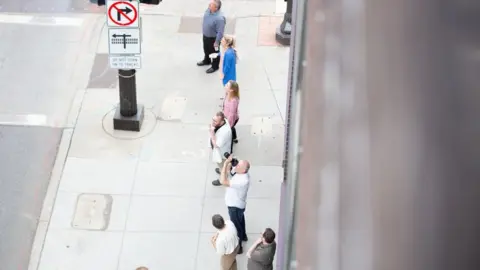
(235, 89)
(142, 268)
(230, 41)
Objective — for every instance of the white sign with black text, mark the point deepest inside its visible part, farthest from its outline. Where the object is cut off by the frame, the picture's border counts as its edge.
(124, 41)
(125, 62)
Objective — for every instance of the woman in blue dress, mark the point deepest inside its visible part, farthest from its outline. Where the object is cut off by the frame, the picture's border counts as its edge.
(228, 60)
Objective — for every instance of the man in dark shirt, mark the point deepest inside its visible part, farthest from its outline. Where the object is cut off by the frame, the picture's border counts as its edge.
(261, 254)
(212, 28)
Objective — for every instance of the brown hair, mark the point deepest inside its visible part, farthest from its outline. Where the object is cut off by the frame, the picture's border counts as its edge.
(236, 89)
(268, 235)
(142, 268)
(218, 221)
(221, 115)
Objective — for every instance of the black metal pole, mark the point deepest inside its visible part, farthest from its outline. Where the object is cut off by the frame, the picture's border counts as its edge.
(284, 31)
(129, 116)
(128, 92)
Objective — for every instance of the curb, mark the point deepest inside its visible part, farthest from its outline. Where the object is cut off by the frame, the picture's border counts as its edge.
(49, 201)
(62, 152)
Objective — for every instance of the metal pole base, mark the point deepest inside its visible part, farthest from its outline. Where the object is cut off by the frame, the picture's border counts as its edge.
(129, 123)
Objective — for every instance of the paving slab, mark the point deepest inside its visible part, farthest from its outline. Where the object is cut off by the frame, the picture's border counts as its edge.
(98, 176)
(191, 143)
(162, 250)
(170, 179)
(164, 214)
(235, 8)
(80, 250)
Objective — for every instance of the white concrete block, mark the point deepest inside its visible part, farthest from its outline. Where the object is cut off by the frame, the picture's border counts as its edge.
(92, 212)
(66, 203)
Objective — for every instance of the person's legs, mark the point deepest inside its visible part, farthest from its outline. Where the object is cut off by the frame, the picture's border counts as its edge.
(210, 47)
(216, 60)
(234, 133)
(218, 170)
(229, 261)
(206, 53)
(233, 214)
(241, 218)
(220, 165)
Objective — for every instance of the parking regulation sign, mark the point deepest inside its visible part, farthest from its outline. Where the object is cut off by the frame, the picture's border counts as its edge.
(122, 13)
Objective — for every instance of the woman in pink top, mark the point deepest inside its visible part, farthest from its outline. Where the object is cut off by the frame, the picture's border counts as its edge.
(230, 106)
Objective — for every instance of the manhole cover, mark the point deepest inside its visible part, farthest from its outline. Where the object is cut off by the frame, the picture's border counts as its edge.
(92, 212)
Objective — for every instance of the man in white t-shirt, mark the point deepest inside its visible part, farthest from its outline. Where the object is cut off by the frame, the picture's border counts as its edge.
(225, 242)
(220, 138)
(236, 194)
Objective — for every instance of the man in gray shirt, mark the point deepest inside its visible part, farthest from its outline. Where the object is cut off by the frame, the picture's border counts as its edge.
(213, 28)
(260, 255)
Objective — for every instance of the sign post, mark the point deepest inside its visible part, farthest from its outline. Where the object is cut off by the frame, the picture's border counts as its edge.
(124, 48)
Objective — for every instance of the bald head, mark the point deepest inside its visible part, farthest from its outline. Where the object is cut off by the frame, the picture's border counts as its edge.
(243, 166)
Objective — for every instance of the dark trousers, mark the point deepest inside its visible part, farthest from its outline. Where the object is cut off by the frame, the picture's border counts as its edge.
(234, 131)
(234, 134)
(209, 48)
(238, 218)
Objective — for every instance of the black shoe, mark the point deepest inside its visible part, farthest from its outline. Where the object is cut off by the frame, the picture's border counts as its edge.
(217, 170)
(202, 63)
(240, 250)
(245, 239)
(216, 183)
(211, 70)
(235, 141)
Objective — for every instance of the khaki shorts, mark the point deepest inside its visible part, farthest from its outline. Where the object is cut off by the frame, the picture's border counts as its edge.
(229, 261)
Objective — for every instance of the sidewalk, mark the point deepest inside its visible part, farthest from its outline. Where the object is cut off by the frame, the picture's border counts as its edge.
(127, 199)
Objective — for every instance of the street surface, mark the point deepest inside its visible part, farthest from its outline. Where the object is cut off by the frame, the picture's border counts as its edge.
(39, 54)
(54, 78)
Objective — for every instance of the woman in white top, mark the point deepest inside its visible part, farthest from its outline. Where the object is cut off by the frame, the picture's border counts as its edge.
(225, 242)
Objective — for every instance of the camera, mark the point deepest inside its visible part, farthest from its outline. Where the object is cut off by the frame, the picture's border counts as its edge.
(234, 160)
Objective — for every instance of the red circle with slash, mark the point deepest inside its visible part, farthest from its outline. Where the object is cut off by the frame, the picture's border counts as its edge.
(123, 13)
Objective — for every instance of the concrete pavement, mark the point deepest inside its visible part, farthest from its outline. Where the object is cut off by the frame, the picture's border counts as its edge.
(130, 199)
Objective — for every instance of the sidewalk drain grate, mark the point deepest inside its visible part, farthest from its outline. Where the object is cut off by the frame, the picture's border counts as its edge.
(92, 212)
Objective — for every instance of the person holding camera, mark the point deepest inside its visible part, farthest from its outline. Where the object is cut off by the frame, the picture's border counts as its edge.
(220, 138)
(236, 193)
